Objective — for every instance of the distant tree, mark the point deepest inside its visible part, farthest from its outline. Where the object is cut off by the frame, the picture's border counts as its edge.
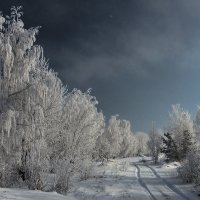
(197, 124)
(141, 143)
(154, 144)
(188, 144)
(169, 147)
(120, 137)
(128, 141)
(113, 134)
(181, 126)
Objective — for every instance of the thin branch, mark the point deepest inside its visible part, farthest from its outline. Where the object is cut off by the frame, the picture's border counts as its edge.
(18, 92)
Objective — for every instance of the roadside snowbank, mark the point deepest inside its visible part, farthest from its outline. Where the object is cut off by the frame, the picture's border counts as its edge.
(21, 194)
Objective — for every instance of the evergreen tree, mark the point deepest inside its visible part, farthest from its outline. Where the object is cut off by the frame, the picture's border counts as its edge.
(180, 121)
(169, 147)
(187, 143)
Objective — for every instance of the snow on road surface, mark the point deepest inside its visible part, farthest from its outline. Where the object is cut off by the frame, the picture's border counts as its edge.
(120, 179)
(158, 187)
(126, 179)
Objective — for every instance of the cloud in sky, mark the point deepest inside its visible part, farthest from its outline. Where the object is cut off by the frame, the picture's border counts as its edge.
(158, 35)
(138, 56)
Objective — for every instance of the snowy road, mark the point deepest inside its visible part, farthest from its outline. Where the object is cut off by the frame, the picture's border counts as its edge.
(119, 182)
(157, 187)
(138, 181)
(120, 179)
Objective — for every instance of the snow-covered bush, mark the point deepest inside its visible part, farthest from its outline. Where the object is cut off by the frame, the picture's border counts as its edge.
(9, 175)
(190, 168)
(124, 165)
(63, 173)
(34, 178)
(86, 169)
(102, 149)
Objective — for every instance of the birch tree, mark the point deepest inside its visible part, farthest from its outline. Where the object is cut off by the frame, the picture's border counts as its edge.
(120, 137)
(128, 144)
(113, 134)
(154, 144)
(75, 144)
(30, 98)
(141, 142)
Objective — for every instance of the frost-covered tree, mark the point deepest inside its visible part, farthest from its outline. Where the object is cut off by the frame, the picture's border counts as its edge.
(197, 123)
(75, 143)
(30, 99)
(189, 169)
(128, 146)
(188, 144)
(45, 117)
(169, 147)
(42, 128)
(113, 134)
(141, 143)
(154, 144)
(102, 149)
(180, 122)
(120, 137)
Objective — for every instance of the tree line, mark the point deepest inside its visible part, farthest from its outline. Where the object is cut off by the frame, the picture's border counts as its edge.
(45, 129)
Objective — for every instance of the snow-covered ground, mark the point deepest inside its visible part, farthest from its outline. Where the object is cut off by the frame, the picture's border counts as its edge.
(120, 179)
(19, 194)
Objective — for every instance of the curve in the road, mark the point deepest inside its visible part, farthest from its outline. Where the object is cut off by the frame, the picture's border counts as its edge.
(172, 187)
(142, 183)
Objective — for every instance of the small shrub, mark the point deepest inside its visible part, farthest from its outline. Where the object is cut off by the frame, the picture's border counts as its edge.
(36, 178)
(190, 168)
(64, 172)
(9, 175)
(86, 170)
(124, 166)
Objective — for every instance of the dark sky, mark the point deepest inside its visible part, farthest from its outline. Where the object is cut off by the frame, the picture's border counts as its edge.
(138, 56)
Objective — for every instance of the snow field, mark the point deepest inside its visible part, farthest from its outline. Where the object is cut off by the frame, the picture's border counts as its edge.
(120, 179)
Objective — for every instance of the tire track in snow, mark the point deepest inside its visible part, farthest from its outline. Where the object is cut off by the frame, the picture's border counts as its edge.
(137, 172)
(172, 187)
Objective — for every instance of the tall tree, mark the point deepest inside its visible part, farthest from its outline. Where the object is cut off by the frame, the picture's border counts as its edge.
(154, 144)
(120, 137)
(188, 144)
(169, 147)
(180, 122)
(74, 144)
(197, 124)
(141, 141)
(30, 98)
